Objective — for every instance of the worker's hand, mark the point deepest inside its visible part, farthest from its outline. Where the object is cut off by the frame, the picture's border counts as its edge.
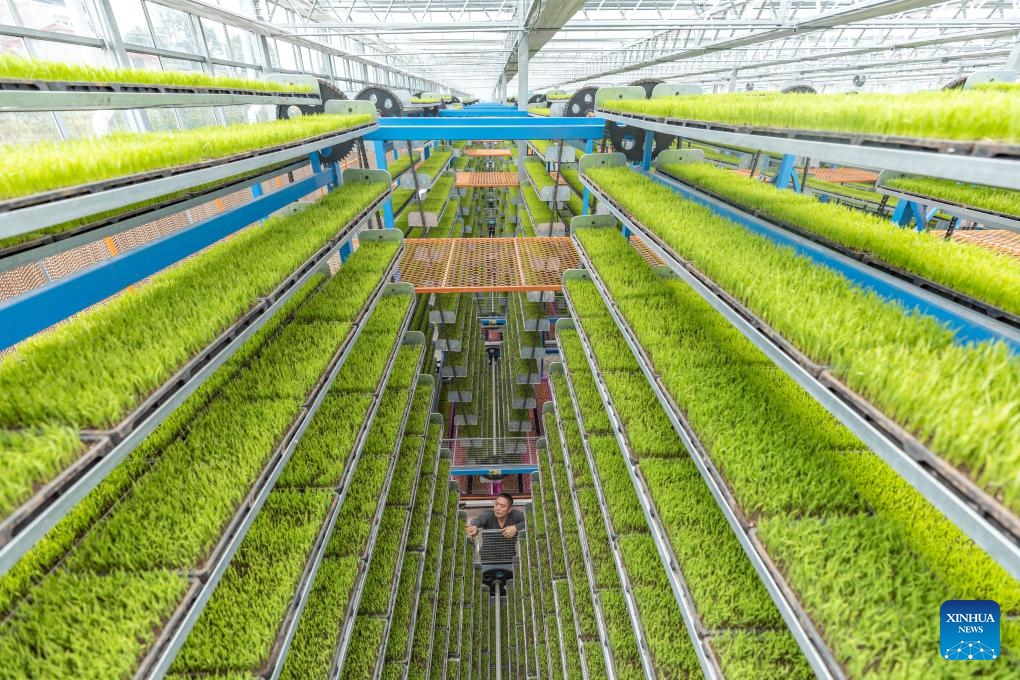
(471, 530)
(510, 531)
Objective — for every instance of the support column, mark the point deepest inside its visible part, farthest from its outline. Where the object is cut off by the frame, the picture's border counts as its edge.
(522, 92)
(380, 163)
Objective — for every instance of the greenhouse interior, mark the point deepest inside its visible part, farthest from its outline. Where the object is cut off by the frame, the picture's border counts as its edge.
(507, 339)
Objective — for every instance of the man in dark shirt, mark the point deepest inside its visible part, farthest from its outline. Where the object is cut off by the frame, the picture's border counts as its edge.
(502, 516)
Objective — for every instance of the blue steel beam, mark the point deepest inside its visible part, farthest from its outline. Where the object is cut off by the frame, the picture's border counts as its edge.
(494, 127)
(471, 470)
(481, 113)
(23, 316)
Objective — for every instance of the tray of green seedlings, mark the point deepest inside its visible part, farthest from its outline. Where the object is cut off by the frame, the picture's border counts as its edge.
(405, 611)
(643, 542)
(963, 122)
(451, 576)
(433, 207)
(451, 336)
(32, 246)
(841, 328)
(428, 626)
(334, 595)
(429, 170)
(948, 267)
(424, 609)
(173, 635)
(110, 344)
(539, 110)
(646, 435)
(401, 198)
(879, 518)
(371, 596)
(539, 595)
(544, 185)
(402, 163)
(228, 635)
(865, 194)
(389, 560)
(211, 536)
(716, 153)
(622, 611)
(444, 308)
(87, 176)
(574, 588)
(19, 75)
(990, 206)
(537, 210)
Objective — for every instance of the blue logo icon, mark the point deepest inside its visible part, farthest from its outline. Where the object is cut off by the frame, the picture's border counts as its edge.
(969, 630)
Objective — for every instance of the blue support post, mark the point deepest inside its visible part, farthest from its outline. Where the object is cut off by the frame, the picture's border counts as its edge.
(346, 249)
(588, 148)
(646, 158)
(907, 211)
(426, 152)
(380, 161)
(788, 174)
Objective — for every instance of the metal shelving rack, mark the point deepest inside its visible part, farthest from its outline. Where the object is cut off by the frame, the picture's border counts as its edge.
(354, 601)
(25, 526)
(988, 218)
(981, 517)
(161, 655)
(43, 95)
(972, 319)
(681, 591)
(986, 163)
(621, 568)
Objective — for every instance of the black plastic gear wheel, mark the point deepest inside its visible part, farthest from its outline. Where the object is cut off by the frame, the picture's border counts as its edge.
(327, 92)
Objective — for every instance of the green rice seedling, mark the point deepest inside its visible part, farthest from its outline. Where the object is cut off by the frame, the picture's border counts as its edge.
(536, 207)
(541, 145)
(345, 294)
(112, 615)
(539, 110)
(174, 515)
(400, 628)
(132, 344)
(980, 115)
(363, 650)
(426, 100)
(311, 652)
(436, 161)
(402, 162)
(289, 368)
(13, 67)
(748, 655)
(621, 636)
(233, 633)
(29, 456)
(46, 552)
(1003, 201)
(624, 508)
(850, 191)
(540, 177)
(596, 421)
(906, 364)
(323, 452)
(375, 599)
(827, 559)
(979, 272)
(574, 670)
(745, 421)
(86, 160)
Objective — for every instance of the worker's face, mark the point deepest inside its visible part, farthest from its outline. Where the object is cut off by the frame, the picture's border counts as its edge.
(501, 507)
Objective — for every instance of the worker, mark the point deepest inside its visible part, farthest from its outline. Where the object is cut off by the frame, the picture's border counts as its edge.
(502, 517)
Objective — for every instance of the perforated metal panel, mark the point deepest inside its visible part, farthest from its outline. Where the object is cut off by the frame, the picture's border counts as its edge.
(14, 282)
(844, 175)
(483, 265)
(999, 240)
(650, 257)
(482, 180)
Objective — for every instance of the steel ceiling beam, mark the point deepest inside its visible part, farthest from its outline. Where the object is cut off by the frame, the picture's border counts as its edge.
(839, 17)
